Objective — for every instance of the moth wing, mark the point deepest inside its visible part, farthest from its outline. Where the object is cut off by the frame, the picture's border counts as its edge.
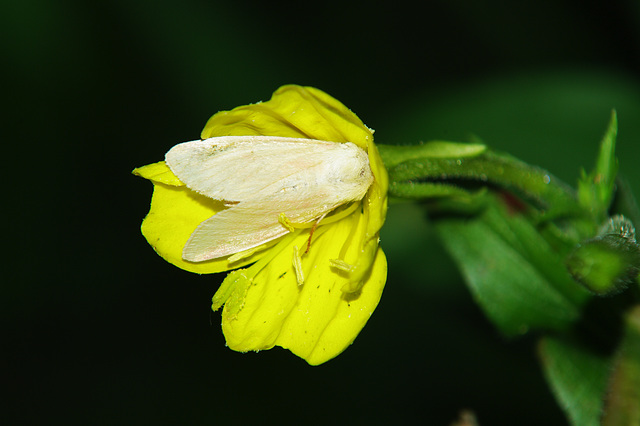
(248, 225)
(239, 168)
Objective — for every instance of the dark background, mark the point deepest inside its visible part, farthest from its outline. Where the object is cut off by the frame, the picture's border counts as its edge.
(99, 330)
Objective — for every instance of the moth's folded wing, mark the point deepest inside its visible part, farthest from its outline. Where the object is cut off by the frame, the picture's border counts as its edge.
(241, 168)
(250, 224)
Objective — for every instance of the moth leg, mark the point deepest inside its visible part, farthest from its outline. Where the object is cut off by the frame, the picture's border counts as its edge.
(313, 228)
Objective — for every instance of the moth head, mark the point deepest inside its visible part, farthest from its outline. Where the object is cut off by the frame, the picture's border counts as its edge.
(353, 171)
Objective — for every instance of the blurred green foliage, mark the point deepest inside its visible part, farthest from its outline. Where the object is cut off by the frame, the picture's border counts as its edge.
(99, 329)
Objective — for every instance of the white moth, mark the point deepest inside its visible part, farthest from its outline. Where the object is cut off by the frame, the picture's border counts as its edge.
(263, 179)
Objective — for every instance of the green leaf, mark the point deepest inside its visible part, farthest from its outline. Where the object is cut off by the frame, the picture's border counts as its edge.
(622, 404)
(577, 377)
(516, 277)
(596, 190)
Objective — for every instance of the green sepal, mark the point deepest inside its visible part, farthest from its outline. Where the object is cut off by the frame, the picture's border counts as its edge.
(608, 263)
(422, 190)
(392, 155)
(536, 185)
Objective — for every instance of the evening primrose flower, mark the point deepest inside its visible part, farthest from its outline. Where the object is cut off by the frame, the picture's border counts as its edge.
(312, 290)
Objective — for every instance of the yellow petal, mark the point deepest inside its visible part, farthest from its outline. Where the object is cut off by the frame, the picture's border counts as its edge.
(252, 318)
(174, 214)
(158, 173)
(350, 315)
(376, 198)
(317, 320)
(293, 111)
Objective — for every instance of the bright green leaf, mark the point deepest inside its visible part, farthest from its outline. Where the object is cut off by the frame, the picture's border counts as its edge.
(513, 273)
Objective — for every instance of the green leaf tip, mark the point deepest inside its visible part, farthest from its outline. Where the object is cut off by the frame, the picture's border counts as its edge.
(596, 189)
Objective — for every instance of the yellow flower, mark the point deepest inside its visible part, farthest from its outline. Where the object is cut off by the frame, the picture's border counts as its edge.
(344, 270)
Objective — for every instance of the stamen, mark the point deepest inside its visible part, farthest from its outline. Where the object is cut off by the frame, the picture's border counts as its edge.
(297, 266)
(341, 265)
